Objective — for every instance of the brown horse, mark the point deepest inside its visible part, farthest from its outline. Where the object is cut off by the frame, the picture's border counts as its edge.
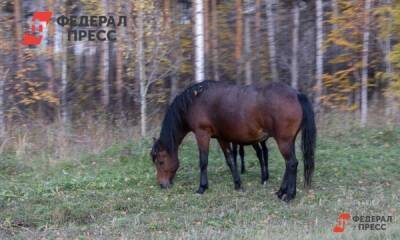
(239, 114)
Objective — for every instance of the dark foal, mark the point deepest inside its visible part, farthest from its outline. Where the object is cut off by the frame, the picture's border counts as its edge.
(262, 155)
(206, 109)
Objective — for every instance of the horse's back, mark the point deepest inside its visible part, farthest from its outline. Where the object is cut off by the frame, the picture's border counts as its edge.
(246, 114)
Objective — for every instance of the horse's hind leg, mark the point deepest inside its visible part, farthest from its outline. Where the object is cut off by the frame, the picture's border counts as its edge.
(241, 153)
(262, 165)
(265, 158)
(287, 190)
(225, 146)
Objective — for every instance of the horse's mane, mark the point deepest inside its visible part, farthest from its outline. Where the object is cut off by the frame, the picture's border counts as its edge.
(174, 121)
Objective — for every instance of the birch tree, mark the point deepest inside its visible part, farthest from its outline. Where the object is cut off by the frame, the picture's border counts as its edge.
(65, 117)
(104, 71)
(364, 72)
(141, 68)
(271, 38)
(295, 44)
(199, 40)
(119, 64)
(319, 54)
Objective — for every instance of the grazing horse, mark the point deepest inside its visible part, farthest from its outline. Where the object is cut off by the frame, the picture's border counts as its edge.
(262, 155)
(240, 114)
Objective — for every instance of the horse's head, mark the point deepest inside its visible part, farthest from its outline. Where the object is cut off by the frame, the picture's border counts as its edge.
(166, 164)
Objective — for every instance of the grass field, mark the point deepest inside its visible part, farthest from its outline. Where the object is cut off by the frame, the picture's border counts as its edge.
(113, 194)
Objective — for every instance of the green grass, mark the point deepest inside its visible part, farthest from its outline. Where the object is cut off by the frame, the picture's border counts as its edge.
(114, 194)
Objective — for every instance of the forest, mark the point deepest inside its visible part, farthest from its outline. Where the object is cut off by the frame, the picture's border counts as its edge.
(85, 84)
(343, 54)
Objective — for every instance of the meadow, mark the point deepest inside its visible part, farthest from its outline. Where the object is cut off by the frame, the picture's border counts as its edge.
(109, 191)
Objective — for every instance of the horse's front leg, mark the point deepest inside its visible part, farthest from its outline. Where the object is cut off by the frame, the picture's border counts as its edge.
(203, 141)
(230, 161)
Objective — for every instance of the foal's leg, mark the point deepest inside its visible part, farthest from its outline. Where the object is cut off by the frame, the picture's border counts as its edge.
(287, 190)
(234, 152)
(265, 158)
(203, 140)
(262, 165)
(241, 153)
(229, 160)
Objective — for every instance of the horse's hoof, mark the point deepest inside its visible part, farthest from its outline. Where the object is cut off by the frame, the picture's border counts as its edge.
(264, 183)
(280, 194)
(240, 189)
(201, 190)
(288, 197)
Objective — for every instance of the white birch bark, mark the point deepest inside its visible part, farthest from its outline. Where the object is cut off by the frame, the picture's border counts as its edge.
(319, 54)
(295, 45)
(64, 80)
(199, 40)
(141, 71)
(105, 67)
(271, 39)
(364, 73)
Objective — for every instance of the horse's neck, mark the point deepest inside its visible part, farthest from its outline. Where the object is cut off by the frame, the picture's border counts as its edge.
(180, 138)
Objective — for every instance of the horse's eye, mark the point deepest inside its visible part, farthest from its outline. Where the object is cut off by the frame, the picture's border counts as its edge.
(161, 163)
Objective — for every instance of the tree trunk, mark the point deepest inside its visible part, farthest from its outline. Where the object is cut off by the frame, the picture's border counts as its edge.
(239, 39)
(257, 33)
(166, 13)
(3, 79)
(105, 57)
(335, 12)
(319, 57)
(50, 52)
(65, 117)
(199, 40)
(214, 39)
(295, 44)
(364, 73)
(247, 46)
(119, 65)
(271, 39)
(206, 38)
(141, 69)
(18, 32)
(389, 101)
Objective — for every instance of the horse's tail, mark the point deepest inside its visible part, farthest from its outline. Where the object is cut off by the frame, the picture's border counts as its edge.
(309, 135)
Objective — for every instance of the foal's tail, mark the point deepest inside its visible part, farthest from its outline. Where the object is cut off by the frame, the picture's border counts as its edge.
(309, 135)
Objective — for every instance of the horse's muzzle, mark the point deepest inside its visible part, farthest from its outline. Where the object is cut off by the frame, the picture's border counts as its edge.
(165, 185)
